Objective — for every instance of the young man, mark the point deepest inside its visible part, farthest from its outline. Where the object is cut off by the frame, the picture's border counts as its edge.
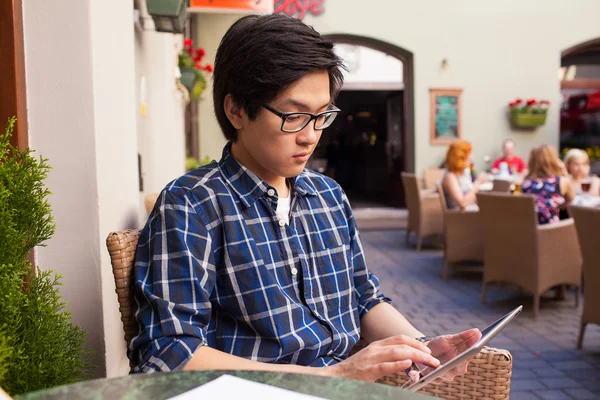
(515, 163)
(254, 262)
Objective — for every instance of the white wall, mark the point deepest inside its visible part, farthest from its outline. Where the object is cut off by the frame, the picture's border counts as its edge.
(82, 106)
(160, 135)
(496, 51)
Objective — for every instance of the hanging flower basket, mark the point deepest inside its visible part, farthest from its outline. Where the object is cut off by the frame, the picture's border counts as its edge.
(192, 70)
(168, 15)
(530, 114)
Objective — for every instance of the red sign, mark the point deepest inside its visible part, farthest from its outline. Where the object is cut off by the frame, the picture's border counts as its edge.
(232, 5)
(299, 8)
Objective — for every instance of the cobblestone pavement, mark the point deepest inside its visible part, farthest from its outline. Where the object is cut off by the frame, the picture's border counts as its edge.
(547, 365)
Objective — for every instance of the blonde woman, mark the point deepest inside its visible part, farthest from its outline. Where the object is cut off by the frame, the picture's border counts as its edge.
(459, 190)
(577, 163)
(548, 181)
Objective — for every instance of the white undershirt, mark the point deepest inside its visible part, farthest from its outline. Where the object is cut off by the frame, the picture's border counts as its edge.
(283, 208)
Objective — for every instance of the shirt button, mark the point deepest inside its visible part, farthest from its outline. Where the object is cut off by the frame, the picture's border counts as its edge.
(271, 192)
(281, 223)
(294, 271)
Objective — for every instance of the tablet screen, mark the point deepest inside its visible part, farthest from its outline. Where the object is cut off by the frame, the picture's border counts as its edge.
(461, 352)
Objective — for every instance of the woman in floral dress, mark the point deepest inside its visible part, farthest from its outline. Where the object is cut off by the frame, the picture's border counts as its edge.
(548, 181)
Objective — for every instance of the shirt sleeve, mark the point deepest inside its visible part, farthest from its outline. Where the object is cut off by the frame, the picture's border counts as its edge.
(496, 164)
(366, 285)
(174, 277)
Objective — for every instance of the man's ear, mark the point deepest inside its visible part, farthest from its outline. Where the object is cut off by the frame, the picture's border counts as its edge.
(234, 113)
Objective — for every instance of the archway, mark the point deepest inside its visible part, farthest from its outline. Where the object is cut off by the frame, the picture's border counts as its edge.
(372, 174)
(580, 89)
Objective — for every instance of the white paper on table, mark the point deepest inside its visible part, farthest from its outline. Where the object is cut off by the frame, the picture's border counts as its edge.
(232, 387)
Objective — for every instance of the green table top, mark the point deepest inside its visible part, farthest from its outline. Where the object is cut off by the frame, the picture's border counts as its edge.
(164, 385)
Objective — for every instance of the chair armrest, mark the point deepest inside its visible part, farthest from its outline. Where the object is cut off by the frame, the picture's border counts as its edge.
(558, 245)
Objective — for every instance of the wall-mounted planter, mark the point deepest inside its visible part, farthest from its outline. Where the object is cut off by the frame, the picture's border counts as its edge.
(525, 119)
(168, 15)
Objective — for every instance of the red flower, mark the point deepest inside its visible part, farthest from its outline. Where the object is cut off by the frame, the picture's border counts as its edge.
(200, 53)
(518, 101)
(208, 68)
(512, 104)
(544, 102)
(198, 65)
(187, 43)
(531, 102)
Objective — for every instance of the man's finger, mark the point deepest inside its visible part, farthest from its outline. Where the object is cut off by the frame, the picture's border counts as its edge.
(403, 339)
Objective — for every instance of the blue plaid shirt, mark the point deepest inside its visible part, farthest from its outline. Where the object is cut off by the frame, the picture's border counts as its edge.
(215, 267)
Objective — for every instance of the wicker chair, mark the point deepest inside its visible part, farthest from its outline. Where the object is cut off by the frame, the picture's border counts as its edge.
(488, 376)
(587, 221)
(424, 210)
(432, 177)
(518, 250)
(501, 186)
(463, 235)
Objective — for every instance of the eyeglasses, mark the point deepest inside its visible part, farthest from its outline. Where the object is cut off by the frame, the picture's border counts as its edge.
(296, 121)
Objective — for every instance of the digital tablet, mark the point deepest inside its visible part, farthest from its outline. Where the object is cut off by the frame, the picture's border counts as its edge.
(429, 374)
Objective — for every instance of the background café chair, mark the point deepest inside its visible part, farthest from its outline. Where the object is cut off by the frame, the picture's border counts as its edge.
(424, 210)
(501, 186)
(488, 375)
(433, 177)
(463, 235)
(517, 250)
(587, 222)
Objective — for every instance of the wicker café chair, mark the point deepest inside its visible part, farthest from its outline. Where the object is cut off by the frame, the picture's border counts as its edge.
(587, 221)
(433, 177)
(463, 235)
(424, 210)
(488, 376)
(517, 250)
(501, 185)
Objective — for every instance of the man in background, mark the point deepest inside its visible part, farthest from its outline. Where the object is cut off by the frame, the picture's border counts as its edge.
(516, 165)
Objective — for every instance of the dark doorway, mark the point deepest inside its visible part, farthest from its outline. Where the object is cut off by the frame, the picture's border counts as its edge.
(363, 148)
(372, 141)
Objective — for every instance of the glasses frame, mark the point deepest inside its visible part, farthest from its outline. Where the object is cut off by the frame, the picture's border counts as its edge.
(285, 115)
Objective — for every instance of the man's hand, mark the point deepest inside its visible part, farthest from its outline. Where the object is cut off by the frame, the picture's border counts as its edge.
(384, 357)
(448, 346)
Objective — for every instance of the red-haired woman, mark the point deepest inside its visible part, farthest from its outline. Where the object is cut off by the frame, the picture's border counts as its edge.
(459, 189)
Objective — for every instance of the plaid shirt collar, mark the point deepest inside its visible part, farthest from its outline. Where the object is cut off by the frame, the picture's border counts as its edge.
(249, 187)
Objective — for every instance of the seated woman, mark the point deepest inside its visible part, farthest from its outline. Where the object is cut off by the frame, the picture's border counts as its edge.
(547, 180)
(577, 163)
(459, 189)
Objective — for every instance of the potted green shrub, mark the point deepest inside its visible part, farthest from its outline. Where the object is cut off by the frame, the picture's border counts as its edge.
(168, 15)
(40, 347)
(192, 70)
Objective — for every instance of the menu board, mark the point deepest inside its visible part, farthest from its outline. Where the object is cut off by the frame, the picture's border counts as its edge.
(234, 6)
(445, 115)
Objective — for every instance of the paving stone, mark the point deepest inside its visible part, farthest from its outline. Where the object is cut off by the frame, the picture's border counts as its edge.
(553, 395)
(582, 394)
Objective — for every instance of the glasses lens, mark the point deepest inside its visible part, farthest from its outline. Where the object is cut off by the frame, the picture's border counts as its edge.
(295, 122)
(325, 120)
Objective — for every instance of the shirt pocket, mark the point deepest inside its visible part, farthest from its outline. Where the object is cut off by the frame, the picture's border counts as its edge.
(334, 283)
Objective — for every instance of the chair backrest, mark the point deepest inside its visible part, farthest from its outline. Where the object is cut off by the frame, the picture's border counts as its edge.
(433, 176)
(501, 185)
(121, 246)
(440, 191)
(509, 230)
(587, 224)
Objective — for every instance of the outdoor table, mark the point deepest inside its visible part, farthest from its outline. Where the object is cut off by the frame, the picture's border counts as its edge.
(586, 200)
(164, 385)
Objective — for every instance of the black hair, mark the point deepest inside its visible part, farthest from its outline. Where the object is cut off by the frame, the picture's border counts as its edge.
(261, 56)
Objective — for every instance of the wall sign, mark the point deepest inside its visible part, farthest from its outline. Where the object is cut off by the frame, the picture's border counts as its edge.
(299, 8)
(445, 115)
(236, 6)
